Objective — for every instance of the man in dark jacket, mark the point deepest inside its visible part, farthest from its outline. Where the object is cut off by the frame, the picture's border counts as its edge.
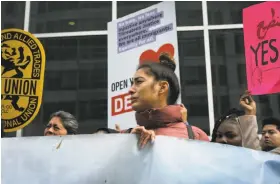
(270, 140)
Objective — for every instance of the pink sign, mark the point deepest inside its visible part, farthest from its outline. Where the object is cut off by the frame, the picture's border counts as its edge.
(262, 46)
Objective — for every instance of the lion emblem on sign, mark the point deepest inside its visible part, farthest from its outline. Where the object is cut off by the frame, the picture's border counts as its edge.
(13, 59)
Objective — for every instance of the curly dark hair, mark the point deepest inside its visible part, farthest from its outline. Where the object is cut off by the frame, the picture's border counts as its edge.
(232, 112)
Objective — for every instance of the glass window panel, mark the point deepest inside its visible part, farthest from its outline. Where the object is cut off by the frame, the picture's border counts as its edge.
(6, 134)
(227, 12)
(12, 14)
(193, 78)
(52, 80)
(193, 44)
(51, 107)
(241, 68)
(96, 80)
(90, 110)
(61, 80)
(63, 16)
(75, 81)
(127, 7)
(93, 83)
(231, 80)
(36, 127)
(278, 102)
(187, 13)
(60, 50)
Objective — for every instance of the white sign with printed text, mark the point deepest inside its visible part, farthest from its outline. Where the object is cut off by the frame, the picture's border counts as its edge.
(137, 37)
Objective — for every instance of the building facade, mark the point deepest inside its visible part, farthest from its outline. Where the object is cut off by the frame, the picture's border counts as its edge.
(74, 35)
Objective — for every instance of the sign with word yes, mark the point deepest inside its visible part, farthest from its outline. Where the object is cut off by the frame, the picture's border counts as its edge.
(262, 45)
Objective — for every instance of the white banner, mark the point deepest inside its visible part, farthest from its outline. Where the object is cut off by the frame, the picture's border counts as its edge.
(136, 37)
(107, 158)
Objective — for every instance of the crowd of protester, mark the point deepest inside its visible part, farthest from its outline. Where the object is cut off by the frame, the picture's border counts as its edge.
(154, 93)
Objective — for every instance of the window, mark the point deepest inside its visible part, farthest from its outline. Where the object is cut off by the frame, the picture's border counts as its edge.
(219, 76)
(193, 78)
(227, 12)
(61, 80)
(75, 81)
(6, 134)
(69, 16)
(12, 14)
(188, 13)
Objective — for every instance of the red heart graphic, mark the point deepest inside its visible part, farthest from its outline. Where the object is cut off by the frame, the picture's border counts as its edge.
(151, 55)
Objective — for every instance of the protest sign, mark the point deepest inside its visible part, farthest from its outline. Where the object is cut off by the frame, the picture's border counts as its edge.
(115, 158)
(262, 45)
(132, 39)
(23, 63)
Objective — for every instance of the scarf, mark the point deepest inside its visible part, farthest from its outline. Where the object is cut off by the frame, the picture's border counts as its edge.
(159, 117)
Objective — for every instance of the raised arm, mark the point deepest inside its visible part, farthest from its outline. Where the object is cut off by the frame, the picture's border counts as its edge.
(248, 122)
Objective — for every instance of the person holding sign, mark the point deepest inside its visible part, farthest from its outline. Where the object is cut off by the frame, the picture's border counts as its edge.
(154, 93)
(239, 128)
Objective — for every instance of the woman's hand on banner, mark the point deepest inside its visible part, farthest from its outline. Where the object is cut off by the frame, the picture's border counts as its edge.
(144, 135)
(117, 127)
(184, 113)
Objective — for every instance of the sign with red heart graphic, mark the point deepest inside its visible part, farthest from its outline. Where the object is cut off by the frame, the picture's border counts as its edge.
(133, 39)
(151, 55)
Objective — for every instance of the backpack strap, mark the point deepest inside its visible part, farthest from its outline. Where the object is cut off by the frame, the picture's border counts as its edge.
(190, 131)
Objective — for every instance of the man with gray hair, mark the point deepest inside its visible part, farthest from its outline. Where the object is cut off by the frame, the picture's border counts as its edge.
(61, 123)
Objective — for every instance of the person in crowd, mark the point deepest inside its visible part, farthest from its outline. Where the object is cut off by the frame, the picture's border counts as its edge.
(106, 131)
(61, 123)
(270, 140)
(154, 93)
(238, 128)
